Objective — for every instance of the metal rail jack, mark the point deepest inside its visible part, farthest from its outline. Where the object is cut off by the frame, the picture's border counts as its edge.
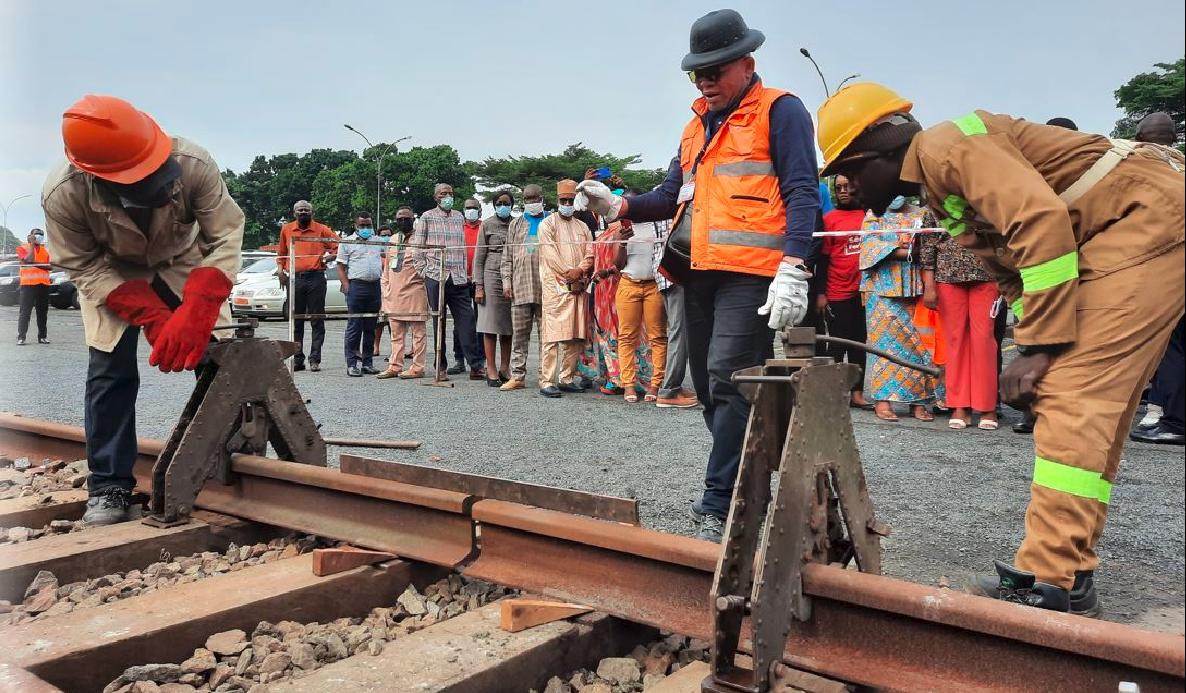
(799, 432)
(244, 399)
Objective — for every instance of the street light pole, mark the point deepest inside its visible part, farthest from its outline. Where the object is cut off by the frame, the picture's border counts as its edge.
(5, 208)
(379, 169)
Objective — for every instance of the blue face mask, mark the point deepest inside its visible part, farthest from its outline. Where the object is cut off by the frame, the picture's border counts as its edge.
(566, 210)
(365, 232)
(618, 192)
(897, 203)
(503, 211)
(446, 203)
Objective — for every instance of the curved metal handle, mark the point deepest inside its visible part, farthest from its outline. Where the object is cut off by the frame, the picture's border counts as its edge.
(929, 370)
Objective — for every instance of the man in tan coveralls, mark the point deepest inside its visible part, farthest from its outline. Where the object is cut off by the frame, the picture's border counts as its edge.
(565, 259)
(1085, 237)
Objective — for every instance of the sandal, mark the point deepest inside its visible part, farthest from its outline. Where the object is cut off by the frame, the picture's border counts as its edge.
(886, 414)
(651, 395)
(631, 397)
(920, 412)
(988, 425)
(957, 424)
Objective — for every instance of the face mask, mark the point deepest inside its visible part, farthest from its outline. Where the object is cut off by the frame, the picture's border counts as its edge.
(472, 214)
(897, 203)
(303, 219)
(38, 239)
(566, 210)
(534, 208)
(446, 204)
(503, 211)
(404, 224)
(618, 192)
(365, 232)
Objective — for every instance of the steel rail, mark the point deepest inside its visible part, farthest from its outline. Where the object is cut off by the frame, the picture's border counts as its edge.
(866, 629)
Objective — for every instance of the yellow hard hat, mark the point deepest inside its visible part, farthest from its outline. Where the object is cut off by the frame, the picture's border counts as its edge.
(847, 113)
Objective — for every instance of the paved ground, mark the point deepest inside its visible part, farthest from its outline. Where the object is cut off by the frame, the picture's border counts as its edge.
(954, 499)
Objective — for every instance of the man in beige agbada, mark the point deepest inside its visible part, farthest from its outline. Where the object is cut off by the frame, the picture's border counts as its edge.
(565, 260)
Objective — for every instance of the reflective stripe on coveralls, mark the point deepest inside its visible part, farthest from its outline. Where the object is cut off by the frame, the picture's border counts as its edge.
(1073, 480)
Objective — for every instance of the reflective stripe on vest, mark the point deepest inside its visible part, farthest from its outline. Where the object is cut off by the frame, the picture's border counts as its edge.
(971, 124)
(1049, 274)
(745, 168)
(1071, 480)
(1018, 310)
(747, 239)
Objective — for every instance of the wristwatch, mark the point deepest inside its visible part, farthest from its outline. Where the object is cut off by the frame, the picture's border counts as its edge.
(1032, 349)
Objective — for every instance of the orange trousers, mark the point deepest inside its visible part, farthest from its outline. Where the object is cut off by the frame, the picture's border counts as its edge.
(640, 302)
(1084, 410)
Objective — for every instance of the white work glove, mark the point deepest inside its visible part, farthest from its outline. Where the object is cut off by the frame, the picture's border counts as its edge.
(596, 197)
(786, 300)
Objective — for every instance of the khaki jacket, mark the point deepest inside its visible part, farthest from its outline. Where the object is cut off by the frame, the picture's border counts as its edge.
(100, 247)
(994, 182)
(520, 265)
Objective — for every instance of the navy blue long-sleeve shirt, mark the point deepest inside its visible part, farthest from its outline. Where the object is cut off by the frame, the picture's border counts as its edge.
(792, 148)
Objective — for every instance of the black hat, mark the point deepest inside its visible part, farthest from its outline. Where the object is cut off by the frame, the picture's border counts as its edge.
(720, 37)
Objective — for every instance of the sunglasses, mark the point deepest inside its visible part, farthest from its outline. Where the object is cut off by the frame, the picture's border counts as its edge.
(711, 73)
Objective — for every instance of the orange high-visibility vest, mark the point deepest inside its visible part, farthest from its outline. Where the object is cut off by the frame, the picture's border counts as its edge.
(39, 255)
(738, 218)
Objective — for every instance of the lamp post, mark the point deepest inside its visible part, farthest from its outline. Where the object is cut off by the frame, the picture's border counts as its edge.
(379, 169)
(5, 208)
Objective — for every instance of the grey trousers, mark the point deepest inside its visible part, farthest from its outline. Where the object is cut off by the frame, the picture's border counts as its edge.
(677, 341)
(523, 318)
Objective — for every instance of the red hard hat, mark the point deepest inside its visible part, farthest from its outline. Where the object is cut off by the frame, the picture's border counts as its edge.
(108, 137)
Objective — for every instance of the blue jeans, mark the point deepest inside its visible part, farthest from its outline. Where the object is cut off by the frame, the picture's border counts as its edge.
(361, 297)
(725, 334)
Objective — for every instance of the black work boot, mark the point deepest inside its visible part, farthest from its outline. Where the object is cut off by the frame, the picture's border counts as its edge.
(108, 506)
(1084, 601)
(1018, 586)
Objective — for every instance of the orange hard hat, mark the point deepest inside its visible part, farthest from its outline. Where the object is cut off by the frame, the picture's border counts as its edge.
(847, 113)
(108, 137)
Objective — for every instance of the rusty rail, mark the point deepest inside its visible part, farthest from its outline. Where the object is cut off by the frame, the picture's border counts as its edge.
(866, 629)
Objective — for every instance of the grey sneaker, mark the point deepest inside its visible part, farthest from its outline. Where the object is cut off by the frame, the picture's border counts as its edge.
(712, 528)
(108, 506)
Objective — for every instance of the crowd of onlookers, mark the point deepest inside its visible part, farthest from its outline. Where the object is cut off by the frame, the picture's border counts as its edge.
(606, 317)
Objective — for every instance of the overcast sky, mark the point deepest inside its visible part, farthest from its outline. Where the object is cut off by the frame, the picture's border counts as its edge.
(266, 77)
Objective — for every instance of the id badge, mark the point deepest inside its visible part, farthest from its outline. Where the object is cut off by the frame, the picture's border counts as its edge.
(686, 192)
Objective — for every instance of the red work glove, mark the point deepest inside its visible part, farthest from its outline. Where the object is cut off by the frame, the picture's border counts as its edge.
(183, 340)
(136, 302)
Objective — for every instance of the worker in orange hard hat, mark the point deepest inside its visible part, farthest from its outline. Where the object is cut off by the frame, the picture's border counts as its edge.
(1085, 237)
(144, 225)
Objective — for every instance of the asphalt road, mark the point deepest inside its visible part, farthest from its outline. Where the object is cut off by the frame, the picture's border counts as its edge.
(955, 499)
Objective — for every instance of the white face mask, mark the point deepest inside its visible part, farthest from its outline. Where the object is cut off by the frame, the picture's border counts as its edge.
(566, 210)
(473, 214)
(38, 239)
(534, 208)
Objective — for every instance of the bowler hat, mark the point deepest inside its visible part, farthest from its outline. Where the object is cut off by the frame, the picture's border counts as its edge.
(719, 37)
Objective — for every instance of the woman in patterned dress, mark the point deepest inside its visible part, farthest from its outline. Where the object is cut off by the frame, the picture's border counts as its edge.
(892, 283)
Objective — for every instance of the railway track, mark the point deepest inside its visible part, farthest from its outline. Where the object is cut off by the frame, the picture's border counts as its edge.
(865, 630)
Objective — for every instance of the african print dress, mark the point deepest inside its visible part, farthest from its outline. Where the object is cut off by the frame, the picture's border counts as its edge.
(892, 288)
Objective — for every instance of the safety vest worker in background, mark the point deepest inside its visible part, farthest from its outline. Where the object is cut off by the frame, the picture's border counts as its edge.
(1085, 236)
(126, 182)
(35, 283)
(744, 196)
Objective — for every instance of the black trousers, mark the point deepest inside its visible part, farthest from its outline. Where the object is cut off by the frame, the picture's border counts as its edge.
(459, 300)
(363, 297)
(308, 297)
(846, 319)
(1168, 383)
(725, 334)
(33, 296)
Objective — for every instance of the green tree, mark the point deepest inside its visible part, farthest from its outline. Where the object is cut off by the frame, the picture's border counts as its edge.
(1148, 92)
(8, 240)
(495, 174)
(408, 179)
(267, 190)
